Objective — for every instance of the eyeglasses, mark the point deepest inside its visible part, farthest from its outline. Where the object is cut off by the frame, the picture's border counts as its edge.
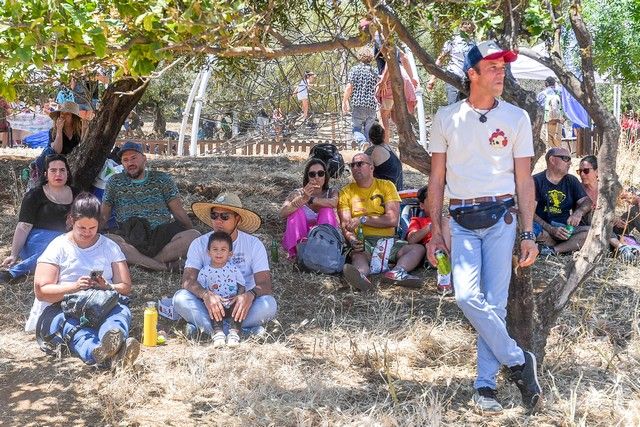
(313, 174)
(358, 164)
(222, 215)
(563, 158)
(584, 171)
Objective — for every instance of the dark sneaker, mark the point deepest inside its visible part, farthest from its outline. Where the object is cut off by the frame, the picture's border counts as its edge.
(485, 401)
(400, 277)
(356, 279)
(627, 254)
(546, 250)
(127, 355)
(108, 347)
(5, 277)
(525, 378)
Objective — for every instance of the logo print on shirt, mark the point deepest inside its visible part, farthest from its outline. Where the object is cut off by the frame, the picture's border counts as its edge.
(498, 139)
(556, 197)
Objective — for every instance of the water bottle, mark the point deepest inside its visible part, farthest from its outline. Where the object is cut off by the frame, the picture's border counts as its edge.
(443, 264)
(360, 233)
(24, 175)
(274, 250)
(150, 327)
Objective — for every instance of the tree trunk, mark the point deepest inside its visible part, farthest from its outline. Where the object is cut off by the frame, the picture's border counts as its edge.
(117, 102)
(159, 122)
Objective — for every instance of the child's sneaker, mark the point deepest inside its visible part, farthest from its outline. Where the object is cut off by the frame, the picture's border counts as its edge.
(233, 339)
(218, 339)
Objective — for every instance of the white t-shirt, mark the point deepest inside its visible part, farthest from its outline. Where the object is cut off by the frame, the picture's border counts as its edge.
(249, 255)
(480, 155)
(223, 281)
(75, 262)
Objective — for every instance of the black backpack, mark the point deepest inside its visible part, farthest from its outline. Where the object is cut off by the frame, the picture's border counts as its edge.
(331, 157)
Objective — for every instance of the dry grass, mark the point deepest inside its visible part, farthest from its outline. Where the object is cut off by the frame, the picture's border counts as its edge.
(395, 358)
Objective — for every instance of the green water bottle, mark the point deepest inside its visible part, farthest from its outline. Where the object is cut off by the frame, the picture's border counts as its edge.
(24, 175)
(443, 264)
(274, 250)
(360, 233)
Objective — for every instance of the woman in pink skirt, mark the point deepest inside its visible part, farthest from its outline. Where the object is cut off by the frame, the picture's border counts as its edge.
(313, 204)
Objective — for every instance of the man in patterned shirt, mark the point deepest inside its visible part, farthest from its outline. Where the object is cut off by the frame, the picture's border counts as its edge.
(153, 227)
(361, 91)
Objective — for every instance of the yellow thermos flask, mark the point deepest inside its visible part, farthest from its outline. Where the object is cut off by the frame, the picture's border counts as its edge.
(150, 328)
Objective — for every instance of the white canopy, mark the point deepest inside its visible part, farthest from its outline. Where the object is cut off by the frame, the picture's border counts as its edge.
(527, 68)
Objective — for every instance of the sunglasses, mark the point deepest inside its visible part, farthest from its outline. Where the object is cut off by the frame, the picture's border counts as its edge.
(584, 171)
(563, 158)
(313, 174)
(222, 215)
(358, 164)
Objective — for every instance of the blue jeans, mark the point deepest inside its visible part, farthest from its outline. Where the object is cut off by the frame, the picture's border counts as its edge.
(86, 339)
(192, 309)
(481, 264)
(37, 241)
(362, 119)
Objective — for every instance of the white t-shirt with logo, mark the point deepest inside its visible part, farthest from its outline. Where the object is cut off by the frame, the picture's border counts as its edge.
(249, 255)
(480, 155)
(75, 262)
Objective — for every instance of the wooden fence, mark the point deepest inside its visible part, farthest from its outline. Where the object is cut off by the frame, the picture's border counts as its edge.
(165, 147)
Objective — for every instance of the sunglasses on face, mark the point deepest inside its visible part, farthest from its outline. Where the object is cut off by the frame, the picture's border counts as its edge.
(584, 171)
(563, 158)
(358, 164)
(222, 215)
(313, 174)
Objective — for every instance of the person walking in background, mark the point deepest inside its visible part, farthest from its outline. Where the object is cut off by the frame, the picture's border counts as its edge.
(455, 49)
(360, 93)
(302, 92)
(550, 100)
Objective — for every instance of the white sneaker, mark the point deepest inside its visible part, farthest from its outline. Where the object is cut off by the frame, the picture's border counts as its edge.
(218, 339)
(485, 402)
(233, 339)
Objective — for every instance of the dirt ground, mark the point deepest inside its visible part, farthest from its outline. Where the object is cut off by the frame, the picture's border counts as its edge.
(397, 357)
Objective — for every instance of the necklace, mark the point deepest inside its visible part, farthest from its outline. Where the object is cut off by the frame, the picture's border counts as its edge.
(483, 116)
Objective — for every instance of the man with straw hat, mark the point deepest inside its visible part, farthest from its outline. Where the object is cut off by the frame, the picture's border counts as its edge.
(197, 305)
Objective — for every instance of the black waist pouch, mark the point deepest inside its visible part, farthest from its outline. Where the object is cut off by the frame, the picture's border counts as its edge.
(482, 215)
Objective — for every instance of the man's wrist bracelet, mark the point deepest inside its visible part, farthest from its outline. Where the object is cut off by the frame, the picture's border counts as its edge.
(253, 291)
(527, 235)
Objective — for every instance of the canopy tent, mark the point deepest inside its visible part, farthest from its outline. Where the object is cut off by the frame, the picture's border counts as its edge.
(527, 68)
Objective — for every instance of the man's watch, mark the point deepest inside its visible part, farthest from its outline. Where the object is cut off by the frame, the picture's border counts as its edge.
(527, 235)
(363, 219)
(253, 291)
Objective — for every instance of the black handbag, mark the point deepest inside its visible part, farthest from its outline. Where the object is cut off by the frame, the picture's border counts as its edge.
(481, 215)
(90, 306)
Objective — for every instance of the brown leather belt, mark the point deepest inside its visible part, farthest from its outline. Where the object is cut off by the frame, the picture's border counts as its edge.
(483, 199)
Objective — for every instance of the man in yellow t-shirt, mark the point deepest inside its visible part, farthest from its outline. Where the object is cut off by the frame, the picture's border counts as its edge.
(374, 205)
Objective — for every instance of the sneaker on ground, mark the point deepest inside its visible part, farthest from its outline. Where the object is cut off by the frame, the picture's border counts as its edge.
(127, 355)
(484, 400)
(218, 339)
(233, 339)
(399, 276)
(191, 332)
(108, 347)
(546, 250)
(525, 378)
(355, 278)
(626, 253)
(6, 277)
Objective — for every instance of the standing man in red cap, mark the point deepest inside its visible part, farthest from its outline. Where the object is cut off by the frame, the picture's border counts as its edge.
(482, 149)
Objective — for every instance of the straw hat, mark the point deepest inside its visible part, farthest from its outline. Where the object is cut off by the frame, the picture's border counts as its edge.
(66, 107)
(249, 220)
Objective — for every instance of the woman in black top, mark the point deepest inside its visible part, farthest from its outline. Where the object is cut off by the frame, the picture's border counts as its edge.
(386, 164)
(43, 216)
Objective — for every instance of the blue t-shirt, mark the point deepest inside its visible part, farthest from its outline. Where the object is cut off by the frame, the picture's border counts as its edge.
(557, 201)
(146, 198)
